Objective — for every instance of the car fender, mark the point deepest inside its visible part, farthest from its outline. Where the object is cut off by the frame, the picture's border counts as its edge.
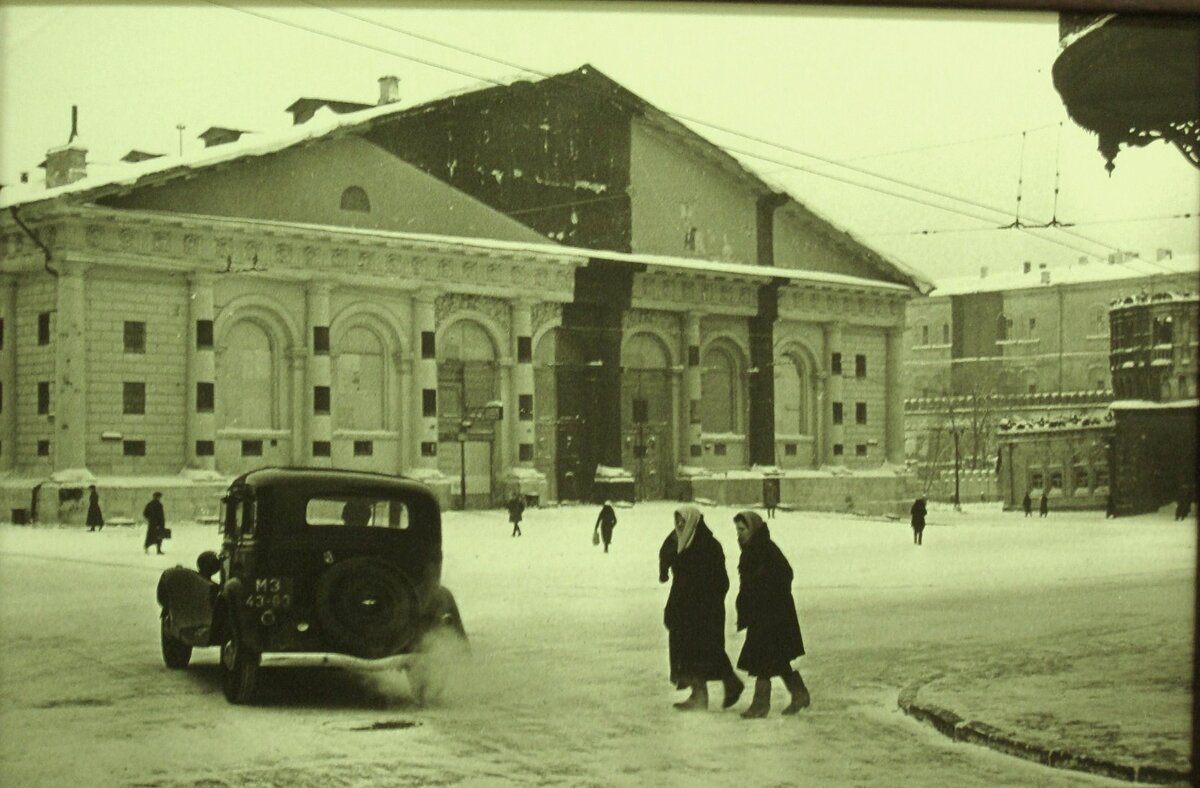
(231, 613)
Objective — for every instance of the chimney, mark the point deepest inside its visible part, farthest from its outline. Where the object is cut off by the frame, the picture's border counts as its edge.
(1027, 266)
(1045, 276)
(389, 90)
(1162, 254)
(68, 163)
(983, 272)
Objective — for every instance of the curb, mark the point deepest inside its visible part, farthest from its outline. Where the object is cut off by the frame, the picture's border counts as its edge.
(955, 727)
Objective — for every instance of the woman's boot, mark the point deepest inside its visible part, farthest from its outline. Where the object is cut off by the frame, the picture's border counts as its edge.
(733, 690)
(762, 700)
(697, 701)
(800, 696)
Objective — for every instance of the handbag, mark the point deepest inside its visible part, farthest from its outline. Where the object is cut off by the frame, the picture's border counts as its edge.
(595, 537)
(166, 533)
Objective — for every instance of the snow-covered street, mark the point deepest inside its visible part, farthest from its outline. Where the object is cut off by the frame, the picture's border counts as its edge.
(567, 684)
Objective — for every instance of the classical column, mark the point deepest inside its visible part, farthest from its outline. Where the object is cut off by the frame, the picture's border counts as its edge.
(8, 373)
(834, 434)
(894, 437)
(396, 403)
(689, 408)
(424, 435)
(301, 406)
(201, 432)
(69, 441)
(320, 388)
(521, 429)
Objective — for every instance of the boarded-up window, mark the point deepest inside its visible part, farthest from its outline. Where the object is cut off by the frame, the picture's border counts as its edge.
(719, 391)
(248, 365)
(361, 381)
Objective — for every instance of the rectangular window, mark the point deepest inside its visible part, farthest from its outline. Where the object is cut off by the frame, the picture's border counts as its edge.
(835, 364)
(321, 398)
(838, 450)
(837, 413)
(134, 448)
(252, 448)
(205, 448)
(1036, 480)
(364, 448)
(525, 452)
(135, 336)
(945, 333)
(696, 450)
(1056, 480)
(860, 413)
(428, 345)
(524, 350)
(525, 407)
(43, 448)
(43, 405)
(924, 335)
(133, 398)
(204, 334)
(719, 449)
(1032, 325)
(429, 403)
(428, 449)
(693, 355)
(860, 366)
(206, 396)
(789, 450)
(1, 333)
(860, 450)
(44, 328)
(322, 449)
(321, 340)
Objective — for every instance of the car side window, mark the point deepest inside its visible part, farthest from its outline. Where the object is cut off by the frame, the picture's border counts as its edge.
(357, 512)
(247, 519)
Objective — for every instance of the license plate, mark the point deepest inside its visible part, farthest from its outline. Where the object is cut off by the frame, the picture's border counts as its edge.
(270, 593)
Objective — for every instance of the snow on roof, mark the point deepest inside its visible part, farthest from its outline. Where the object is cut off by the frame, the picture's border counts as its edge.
(1075, 273)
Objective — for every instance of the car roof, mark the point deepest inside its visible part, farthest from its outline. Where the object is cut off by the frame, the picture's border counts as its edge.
(320, 479)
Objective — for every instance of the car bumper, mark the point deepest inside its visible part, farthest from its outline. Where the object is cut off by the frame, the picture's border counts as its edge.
(322, 659)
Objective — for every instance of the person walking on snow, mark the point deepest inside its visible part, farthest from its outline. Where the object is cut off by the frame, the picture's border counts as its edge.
(766, 611)
(1027, 504)
(516, 508)
(156, 523)
(918, 513)
(1044, 504)
(605, 523)
(695, 611)
(95, 520)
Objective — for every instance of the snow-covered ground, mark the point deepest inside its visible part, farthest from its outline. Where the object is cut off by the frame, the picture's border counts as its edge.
(567, 683)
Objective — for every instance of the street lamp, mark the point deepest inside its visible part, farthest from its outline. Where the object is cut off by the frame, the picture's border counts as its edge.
(957, 431)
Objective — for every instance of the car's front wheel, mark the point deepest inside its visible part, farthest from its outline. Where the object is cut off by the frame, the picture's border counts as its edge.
(176, 654)
(239, 668)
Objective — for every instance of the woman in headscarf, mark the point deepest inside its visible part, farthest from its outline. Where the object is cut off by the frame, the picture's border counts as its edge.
(766, 611)
(695, 612)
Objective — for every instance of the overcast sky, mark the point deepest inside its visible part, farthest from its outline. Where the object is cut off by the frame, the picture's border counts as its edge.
(928, 98)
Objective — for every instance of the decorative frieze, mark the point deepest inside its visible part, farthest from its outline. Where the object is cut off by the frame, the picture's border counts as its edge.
(546, 313)
(495, 309)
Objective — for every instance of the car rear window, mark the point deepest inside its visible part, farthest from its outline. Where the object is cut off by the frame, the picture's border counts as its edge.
(356, 511)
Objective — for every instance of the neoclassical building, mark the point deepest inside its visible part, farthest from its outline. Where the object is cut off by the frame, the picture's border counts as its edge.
(314, 298)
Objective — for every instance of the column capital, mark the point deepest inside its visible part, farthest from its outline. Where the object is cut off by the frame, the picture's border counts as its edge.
(198, 279)
(319, 286)
(426, 295)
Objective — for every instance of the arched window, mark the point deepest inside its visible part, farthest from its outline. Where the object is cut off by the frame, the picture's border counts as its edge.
(718, 405)
(1003, 325)
(360, 385)
(945, 333)
(791, 397)
(355, 199)
(248, 382)
(466, 369)
(924, 335)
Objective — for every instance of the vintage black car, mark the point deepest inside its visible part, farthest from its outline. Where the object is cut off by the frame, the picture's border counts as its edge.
(324, 566)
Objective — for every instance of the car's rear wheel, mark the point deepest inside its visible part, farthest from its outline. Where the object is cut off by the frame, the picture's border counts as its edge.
(367, 608)
(176, 654)
(239, 668)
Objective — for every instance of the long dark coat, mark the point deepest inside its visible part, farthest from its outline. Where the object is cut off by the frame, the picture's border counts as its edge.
(1044, 504)
(94, 518)
(918, 512)
(695, 611)
(156, 522)
(606, 522)
(1027, 504)
(516, 508)
(765, 609)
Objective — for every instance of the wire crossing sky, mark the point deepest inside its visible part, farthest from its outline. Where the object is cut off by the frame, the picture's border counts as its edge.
(922, 132)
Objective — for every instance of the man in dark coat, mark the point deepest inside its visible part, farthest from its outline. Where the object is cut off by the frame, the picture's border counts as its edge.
(1027, 504)
(516, 508)
(1110, 507)
(918, 512)
(695, 611)
(766, 611)
(156, 523)
(95, 520)
(1044, 504)
(605, 523)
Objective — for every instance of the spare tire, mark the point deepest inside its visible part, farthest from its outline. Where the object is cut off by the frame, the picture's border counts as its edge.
(367, 607)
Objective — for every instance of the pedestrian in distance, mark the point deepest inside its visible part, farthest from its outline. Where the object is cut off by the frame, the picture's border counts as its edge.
(1183, 504)
(156, 523)
(766, 610)
(1044, 504)
(95, 519)
(1027, 504)
(695, 612)
(516, 508)
(605, 523)
(1110, 507)
(918, 512)
(770, 500)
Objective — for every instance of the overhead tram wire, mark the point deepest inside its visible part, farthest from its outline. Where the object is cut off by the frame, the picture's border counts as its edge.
(676, 116)
(1091, 223)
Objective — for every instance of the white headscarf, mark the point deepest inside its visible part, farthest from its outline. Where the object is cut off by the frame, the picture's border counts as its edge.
(691, 518)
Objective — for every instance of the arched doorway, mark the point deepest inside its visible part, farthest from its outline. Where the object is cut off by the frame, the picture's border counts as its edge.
(722, 405)
(795, 411)
(468, 380)
(251, 396)
(647, 415)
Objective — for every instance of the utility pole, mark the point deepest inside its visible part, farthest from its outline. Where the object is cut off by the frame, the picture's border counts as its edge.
(957, 502)
(180, 127)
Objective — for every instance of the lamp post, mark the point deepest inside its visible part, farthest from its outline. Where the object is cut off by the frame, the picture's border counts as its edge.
(957, 461)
